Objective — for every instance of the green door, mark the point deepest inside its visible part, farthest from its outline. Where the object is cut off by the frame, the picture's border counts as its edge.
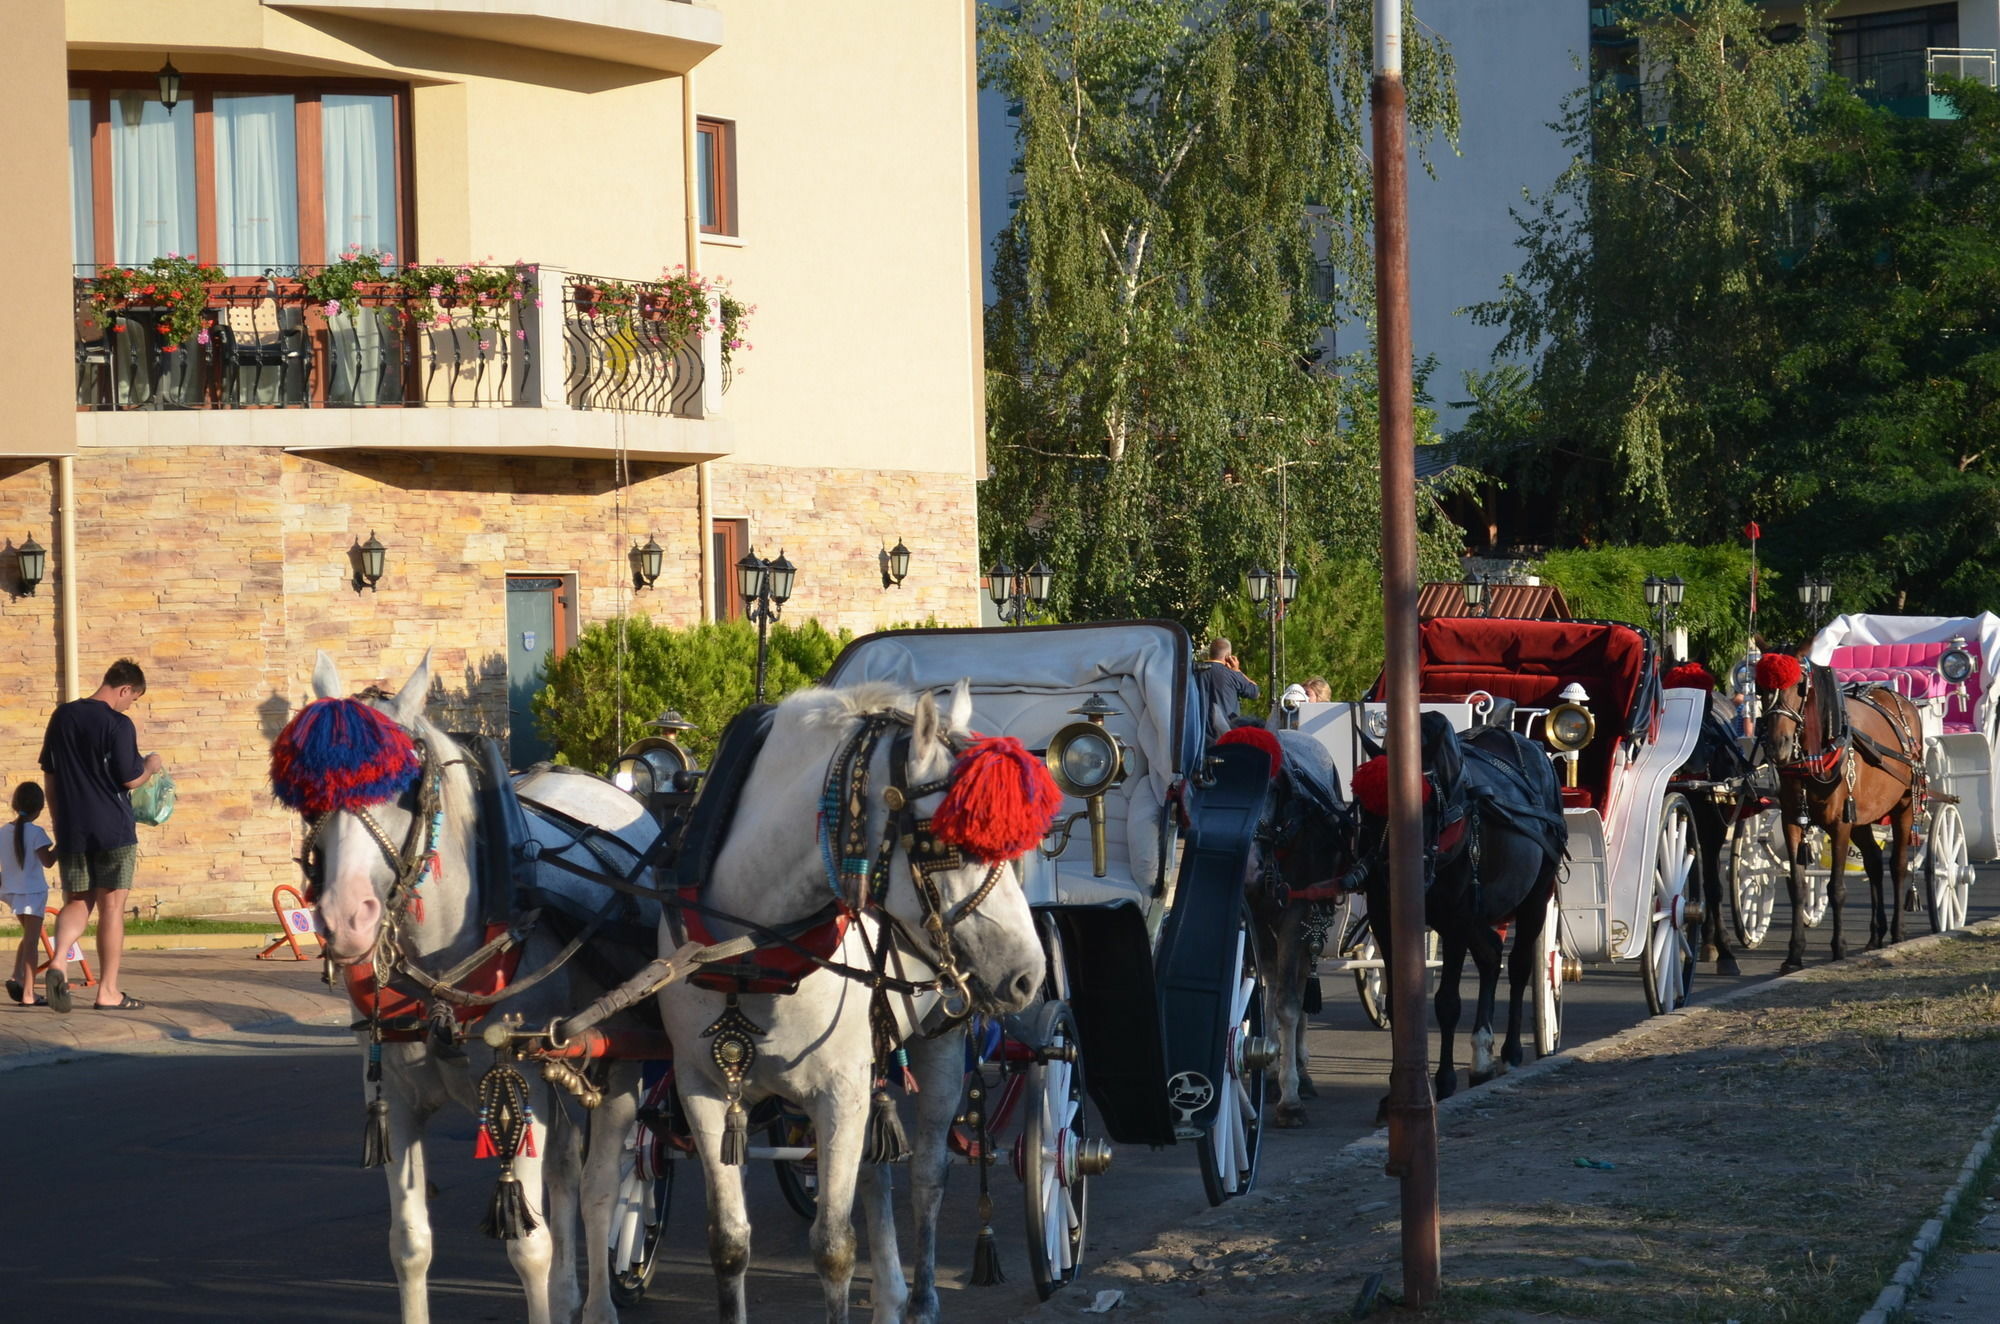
(535, 630)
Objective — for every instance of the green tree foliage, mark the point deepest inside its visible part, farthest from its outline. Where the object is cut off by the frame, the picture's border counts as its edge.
(707, 673)
(1645, 293)
(1334, 629)
(1152, 348)
(1609, 584)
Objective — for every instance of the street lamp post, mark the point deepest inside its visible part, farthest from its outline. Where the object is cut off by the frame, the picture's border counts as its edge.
(1475, 587)
(764, 587)
(1272, 594)
(1018, 594)
(1664, 597)
(1815, 595)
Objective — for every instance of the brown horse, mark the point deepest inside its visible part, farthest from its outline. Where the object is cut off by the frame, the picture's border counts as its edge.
(1846, 756)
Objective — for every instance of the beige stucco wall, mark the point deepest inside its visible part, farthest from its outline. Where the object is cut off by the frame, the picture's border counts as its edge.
(853, 198)
(34, 162)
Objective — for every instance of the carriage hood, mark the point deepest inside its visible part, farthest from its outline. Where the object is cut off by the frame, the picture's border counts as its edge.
(1982, 631)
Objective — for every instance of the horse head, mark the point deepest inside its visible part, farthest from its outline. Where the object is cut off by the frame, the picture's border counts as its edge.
(377, 783)
(1785, 690)
(1306, 837)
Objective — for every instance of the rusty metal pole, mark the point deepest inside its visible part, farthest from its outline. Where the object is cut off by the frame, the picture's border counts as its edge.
(1412, 1108)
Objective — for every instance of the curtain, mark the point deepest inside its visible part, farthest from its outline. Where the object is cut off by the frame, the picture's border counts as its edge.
(82, 207)
(357, 134)
(152, 178)
(256, 182)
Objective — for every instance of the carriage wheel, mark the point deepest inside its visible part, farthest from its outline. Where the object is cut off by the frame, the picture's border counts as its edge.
(639, 1221)
(1371, 984)
(798, 1179)
(1947, 870)
(1756, 871)
(1056, 1157)
(1549, 975)
(1235, 1138)
(1673, 934)
(1817, 846)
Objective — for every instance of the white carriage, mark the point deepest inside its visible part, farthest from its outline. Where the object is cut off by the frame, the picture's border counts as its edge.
(1950, 668)
(1591, 691)
(1152, 999)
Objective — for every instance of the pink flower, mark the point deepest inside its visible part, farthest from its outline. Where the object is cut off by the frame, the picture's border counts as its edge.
(520, 335)
(442, 321)
(485, 345)
(464, 278)
(201, 338)
(538, 303)
(332, 307)
(437, 291)
(388, 257)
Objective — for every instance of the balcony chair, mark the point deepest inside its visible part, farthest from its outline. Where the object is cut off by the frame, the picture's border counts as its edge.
(250, 334)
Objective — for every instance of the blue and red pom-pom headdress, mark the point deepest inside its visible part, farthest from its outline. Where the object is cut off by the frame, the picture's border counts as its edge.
(341, 754)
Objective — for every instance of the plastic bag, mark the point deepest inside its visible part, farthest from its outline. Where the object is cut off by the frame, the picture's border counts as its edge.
(153, 803)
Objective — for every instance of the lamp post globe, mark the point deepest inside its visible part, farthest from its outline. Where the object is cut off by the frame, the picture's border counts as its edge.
(34, 559)
(782, 572)
(1040, 577)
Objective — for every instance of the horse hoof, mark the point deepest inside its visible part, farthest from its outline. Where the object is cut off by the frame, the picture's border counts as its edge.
(1791, 966)
(1382, 1111)
(1710, 953)
(1479, 1077)
(1447, 1086)
(1290, 1117)
(1725, 964)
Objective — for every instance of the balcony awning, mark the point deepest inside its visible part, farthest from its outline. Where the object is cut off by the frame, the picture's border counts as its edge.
(671, 36)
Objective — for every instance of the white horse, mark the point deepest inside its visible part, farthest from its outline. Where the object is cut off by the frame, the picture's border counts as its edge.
(360, 852)
(816, 1047)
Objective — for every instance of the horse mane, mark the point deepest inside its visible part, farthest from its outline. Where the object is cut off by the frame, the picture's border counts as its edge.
(841, 707)
(459, 805)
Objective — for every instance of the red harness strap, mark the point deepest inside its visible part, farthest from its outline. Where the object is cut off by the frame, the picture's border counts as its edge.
(774, 969)
(392, 1004)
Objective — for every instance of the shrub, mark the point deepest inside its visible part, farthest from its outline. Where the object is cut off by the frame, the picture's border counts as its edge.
(707, 673)
(1609, 583)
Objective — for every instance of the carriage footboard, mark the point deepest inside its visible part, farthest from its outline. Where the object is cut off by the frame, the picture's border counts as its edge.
(1109, 961)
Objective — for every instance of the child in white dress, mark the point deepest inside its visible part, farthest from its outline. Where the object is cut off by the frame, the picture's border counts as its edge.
(25, 850)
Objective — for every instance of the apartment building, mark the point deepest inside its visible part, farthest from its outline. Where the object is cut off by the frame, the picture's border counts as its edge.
(378, 340)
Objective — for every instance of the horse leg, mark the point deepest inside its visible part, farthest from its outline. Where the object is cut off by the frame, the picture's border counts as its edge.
(728, 1219)
(409, 1212)
(533, 1256)
(939, 1066)
(1522, 965)
(1484, 943)
(1713, 831)
(1900, 831)
(891, 1291)
(610, 1123)
(1795, 883)
(1281, 944)
(1836, 882)
(1378, 924)
(1871, 864)
(1447, 1007)
(840, 1117)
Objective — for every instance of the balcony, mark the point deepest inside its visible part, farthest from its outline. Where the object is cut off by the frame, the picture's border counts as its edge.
(1902, 81)
(667, 37)
(534, 361)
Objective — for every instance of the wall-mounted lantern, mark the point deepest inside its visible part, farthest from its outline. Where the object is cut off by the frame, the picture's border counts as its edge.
(34, 564)
(646, 563)
(370, 558)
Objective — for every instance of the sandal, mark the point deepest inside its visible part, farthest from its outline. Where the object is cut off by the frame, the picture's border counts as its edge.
(14, 990)
(57, 984)
(127, 1003)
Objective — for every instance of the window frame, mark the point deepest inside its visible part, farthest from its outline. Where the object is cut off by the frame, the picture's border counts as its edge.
(721, 175)
(198, 99)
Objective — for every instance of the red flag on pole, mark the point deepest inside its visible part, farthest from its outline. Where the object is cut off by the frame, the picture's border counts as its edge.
(1752, 532)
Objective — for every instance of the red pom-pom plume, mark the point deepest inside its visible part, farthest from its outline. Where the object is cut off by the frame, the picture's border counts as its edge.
(1777, 671)
(1371, 787)
(1262, 739)
(339, 753)
(1001, 801)
(1689, 676)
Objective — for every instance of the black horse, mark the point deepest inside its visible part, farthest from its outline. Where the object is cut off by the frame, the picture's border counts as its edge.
(1493, 842)
(1717, 763)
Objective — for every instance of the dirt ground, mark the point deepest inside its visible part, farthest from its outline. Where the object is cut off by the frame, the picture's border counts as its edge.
(1763, 1161)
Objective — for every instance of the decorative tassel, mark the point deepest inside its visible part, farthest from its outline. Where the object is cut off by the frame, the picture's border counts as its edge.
(1309, 1001)
(484, 1148)
(1001, 802)
(375, 1135)
(508, 1217)
(986, 1250)
(902, 1060)
(886, 1142)
(1261, 739)
(735, 1135)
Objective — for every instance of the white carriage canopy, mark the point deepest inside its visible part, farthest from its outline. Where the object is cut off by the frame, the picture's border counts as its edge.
(1905, 649)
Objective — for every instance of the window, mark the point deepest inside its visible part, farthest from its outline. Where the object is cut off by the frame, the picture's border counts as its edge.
(1887, 54)
(727, 539)
(246, 173)
(715, 175)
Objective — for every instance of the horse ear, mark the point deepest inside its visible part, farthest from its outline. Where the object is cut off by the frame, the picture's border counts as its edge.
(409, 702)
(326, 677)
(960, 717)
(925, 739)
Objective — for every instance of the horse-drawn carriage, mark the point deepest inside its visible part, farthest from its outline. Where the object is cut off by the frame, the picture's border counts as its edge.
(1590, 692)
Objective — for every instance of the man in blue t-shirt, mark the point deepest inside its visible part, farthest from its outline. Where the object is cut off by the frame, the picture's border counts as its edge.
(1223, 688)
(91, 756)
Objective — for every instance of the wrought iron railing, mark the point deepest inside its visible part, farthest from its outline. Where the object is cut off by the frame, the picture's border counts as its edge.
(264, 342)
(625, 352)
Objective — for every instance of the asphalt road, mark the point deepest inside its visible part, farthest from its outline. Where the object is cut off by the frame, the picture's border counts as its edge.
(217, 1181)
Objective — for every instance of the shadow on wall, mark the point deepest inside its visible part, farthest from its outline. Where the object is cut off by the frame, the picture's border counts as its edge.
(524, 476)
(477, 707)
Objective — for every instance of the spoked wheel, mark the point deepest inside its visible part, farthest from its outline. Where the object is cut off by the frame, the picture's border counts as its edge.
(1673, 933)
(1817, 849)
(1551, 969)
(798, 1179)
(1947, 870)
(644, 1197)
(1055, 1158)
(1372, 983)
(1757, 871)
(1235, 1138)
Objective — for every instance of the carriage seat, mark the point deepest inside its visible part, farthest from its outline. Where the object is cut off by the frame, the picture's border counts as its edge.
(1911, 669)
(1531, 691)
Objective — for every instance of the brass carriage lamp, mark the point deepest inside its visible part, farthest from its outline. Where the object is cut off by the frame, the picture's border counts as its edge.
(1086, 761)
(896, 564)
(1569, 726)
(646, 562)
(370, 559)
(34, 560)
(170, 86)
(1956, 665)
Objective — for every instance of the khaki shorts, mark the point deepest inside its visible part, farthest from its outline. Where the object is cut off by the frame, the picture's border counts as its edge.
(97, 870)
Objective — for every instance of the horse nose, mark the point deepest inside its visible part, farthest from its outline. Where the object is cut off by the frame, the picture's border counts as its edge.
(351, 927)
(1023, 987)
